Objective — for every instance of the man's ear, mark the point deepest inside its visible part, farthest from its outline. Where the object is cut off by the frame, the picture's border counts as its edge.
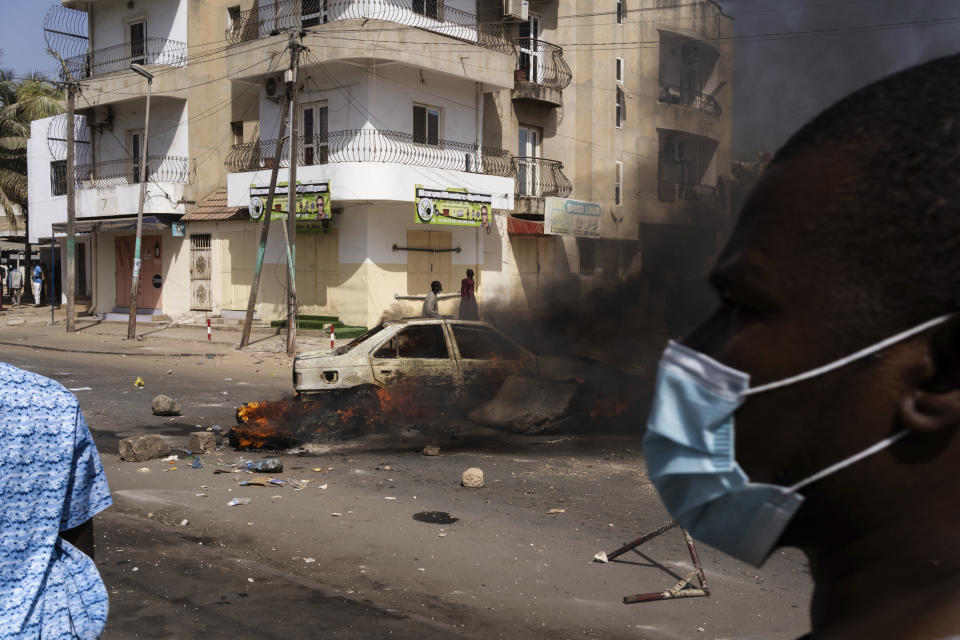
(932, 403)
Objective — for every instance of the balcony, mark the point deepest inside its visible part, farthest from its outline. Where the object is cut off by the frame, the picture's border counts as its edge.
(371, 145)
(431, 15)
(158, 51)
(112, 173)
(541, 73)
(536, 179)
(684, 97)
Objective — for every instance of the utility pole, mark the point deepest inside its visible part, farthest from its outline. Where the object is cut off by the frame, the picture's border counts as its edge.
(291, 227)
(71, 266)
(268, 211)
(132, 322)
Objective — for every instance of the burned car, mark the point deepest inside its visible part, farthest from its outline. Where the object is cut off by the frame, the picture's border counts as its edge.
(454, 354)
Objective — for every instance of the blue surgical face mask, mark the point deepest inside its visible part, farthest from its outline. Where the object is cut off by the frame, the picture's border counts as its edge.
(690, 454)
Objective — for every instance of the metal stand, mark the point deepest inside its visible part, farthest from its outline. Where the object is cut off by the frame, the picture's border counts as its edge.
(682, 589)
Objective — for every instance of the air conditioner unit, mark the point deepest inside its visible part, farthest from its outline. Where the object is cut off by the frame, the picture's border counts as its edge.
(273, 89)
(103, 116)
(516, 9)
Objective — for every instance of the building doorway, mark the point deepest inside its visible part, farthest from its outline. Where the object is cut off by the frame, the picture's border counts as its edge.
(150, 284)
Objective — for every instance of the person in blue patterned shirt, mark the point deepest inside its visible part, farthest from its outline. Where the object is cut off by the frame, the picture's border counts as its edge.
(51, 485)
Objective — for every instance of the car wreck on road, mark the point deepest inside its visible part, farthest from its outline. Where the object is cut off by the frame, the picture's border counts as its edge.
(438, 352)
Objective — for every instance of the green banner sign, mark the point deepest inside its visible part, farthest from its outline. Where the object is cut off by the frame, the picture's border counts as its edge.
(453, 206)
(313, 201)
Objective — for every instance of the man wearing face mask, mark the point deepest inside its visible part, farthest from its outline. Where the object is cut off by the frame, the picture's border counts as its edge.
(819, 405)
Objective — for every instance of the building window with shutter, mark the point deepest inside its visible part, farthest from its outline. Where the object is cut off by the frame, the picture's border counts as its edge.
(429, 8)
(619, 70)
(618, 185)
(58, 178)
(236, 132)
(426, 124)
(621, 11)
(621, 107)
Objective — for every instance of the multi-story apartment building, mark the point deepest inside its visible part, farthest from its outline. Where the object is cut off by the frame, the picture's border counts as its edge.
(580, 135)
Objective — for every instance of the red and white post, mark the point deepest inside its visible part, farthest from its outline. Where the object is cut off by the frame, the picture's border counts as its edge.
(208, 330)
(333, 337)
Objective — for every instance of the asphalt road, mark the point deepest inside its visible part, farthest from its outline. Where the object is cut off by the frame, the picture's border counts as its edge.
(285, 566)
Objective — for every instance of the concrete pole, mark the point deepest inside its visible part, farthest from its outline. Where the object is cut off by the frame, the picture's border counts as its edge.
(132, 322)
(71, 209)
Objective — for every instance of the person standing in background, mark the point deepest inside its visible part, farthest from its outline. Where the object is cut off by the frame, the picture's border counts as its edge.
(468, 298)
(15, 286)
(36, 283)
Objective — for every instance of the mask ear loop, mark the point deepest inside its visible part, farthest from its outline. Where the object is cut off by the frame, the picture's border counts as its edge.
(863, 353)
(880, 446)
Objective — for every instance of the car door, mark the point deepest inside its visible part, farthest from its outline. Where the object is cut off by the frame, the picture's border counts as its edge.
(487, 357)
(417, 354)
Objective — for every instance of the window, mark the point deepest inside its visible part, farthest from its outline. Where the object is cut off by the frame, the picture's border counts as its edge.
(315, 134)
(620, 70)
(138, 42)
(621, 11)
(477, 343)
(621, 107)
(587, 248)
(233, 17)
(135, 146)
(618, 185)
(310, 14)
(58, 178)
(422, 341)
(426, 124)
(429, 8)
(236, 131)
(528, 167)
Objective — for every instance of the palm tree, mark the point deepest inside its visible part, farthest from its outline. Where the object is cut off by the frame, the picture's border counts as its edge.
(21, 101)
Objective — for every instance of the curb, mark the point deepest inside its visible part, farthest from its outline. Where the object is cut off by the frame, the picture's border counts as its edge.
(112, 353)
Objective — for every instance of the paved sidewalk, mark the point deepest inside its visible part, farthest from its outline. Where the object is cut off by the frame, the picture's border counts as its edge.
(30, 327)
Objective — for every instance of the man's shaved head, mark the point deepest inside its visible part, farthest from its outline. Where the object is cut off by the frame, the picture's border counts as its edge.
(894, 216)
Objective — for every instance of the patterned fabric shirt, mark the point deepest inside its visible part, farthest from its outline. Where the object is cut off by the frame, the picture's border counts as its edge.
(51, 480)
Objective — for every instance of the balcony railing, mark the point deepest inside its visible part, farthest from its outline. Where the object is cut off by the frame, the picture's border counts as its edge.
(371, 145)
(539, 178)
(672, 191)
(542, 63)
(111, 173)
(286, 15)
(119, 57)
(675, 94)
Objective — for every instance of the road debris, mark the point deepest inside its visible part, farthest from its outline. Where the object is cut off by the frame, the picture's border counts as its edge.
(171, 458)
(267, 465)
(165, 406)
(389, 498)
(184, 522)
(472, 478)
(309, 560)
(323, 486)
(553, 511)
(600, 556)
(336, 514)
(254, 482)
(202, 442)
(238, 501)
(431, 450)
(139, 383)
(143, 470)
(145, 448)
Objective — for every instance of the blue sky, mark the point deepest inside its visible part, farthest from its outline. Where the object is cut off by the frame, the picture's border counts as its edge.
(778, 83)
(21, 36)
